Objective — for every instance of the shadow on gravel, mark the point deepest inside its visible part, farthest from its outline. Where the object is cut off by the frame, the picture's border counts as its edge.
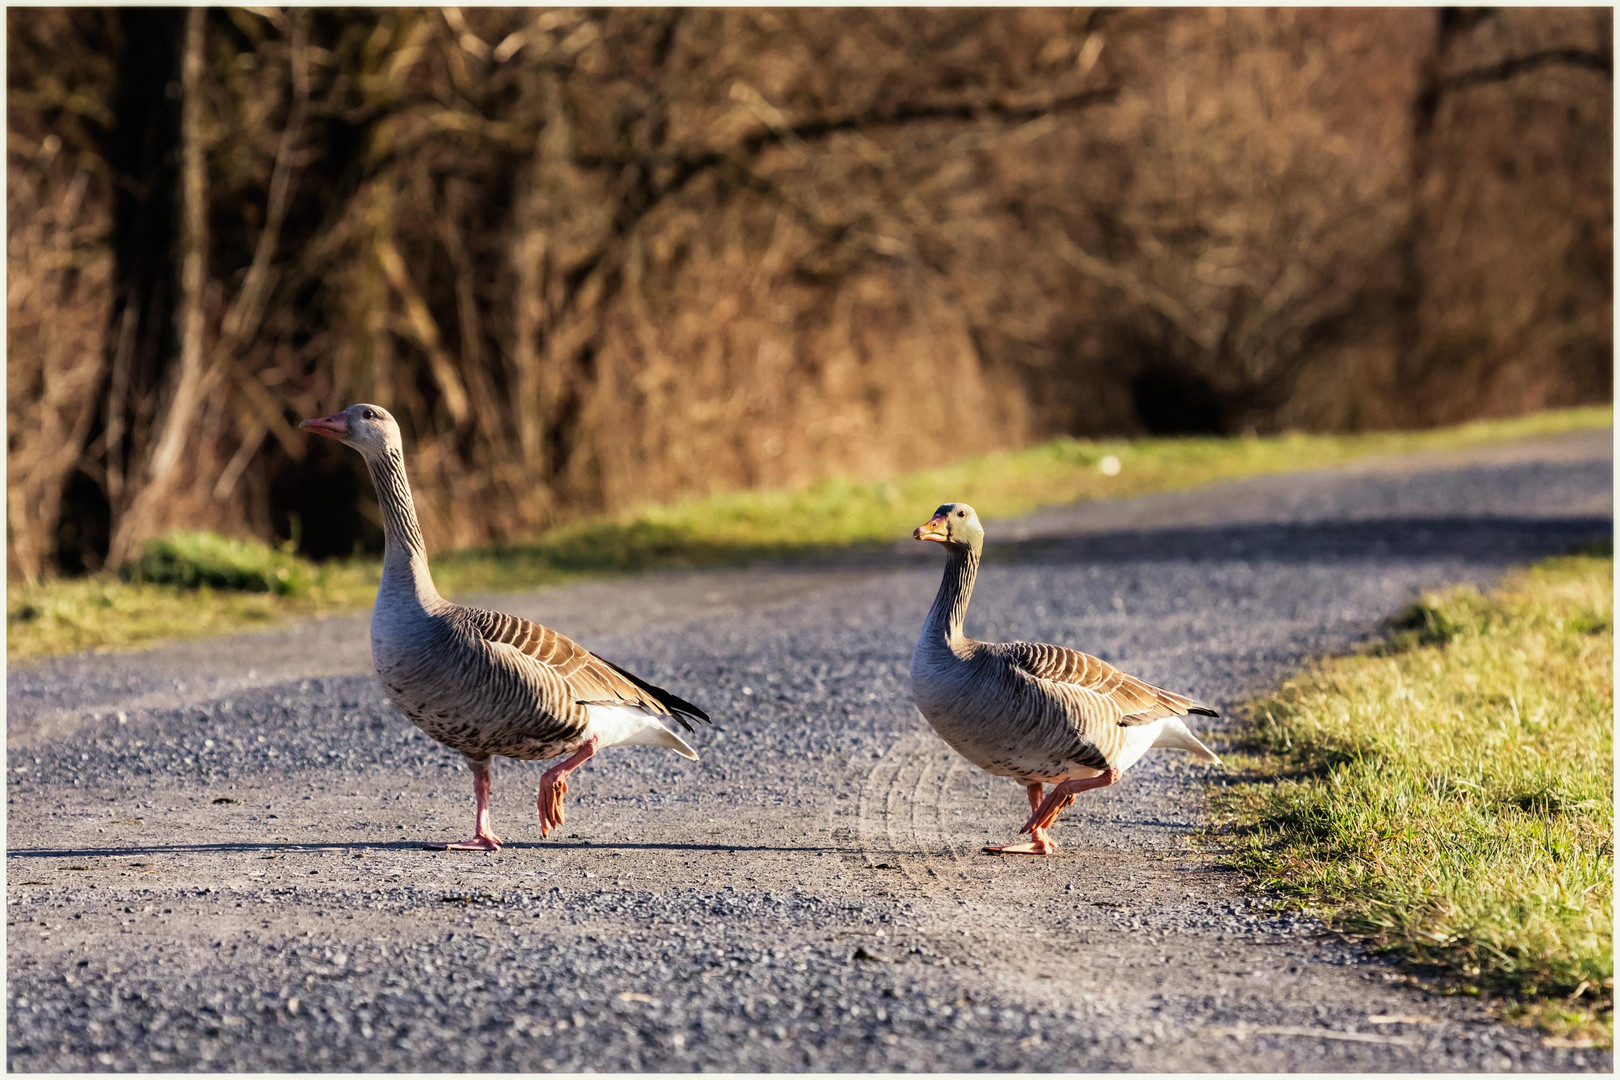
(175, 849)
(1425, 539)
(582, 845)
(390, 845)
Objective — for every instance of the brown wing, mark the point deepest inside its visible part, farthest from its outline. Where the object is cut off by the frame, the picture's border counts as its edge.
(1129, 699)
(589, 678)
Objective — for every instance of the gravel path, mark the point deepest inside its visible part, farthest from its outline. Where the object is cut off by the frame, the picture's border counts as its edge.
(214, 854)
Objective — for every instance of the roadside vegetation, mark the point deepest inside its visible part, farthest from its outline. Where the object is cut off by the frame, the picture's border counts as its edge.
(709, 277)
(189, 585)
(1448, 794)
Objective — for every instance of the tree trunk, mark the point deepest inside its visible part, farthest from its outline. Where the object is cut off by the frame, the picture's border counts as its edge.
(179, 415)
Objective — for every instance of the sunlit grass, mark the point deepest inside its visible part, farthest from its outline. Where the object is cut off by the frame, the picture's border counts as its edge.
(1449, 795)
(734, 528)
(105, 612)
(194, 560)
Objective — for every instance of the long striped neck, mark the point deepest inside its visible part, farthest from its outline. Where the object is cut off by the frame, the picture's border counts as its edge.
(945, 618)
(405, 566)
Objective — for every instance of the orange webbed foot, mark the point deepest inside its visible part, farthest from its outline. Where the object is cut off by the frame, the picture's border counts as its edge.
(481, 842)
(550, 804)
(1041, 844)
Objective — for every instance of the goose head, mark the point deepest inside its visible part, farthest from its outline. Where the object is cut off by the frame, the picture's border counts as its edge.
(956, 525)
(367, 428)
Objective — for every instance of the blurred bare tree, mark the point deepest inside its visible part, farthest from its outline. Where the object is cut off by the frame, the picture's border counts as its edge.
(593, 258)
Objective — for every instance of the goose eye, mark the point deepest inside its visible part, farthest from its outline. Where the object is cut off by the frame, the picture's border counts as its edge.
(961, 513)
(369, 415)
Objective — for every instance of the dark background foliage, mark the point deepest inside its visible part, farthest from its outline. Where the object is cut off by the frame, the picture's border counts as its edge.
(594, 258)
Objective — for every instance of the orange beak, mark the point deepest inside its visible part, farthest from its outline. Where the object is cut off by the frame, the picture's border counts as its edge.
(335, 426)
(934, 530)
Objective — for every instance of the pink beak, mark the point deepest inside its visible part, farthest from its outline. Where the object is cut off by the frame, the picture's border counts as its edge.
(933, 530)
(335, 426)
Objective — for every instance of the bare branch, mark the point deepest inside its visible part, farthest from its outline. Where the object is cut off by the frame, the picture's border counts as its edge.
(1585, 59)
(243, 318)
(1136, 289)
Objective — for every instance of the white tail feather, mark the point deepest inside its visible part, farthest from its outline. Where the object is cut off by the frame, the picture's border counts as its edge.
(662, 736)
(625, 725)
(1174, 734)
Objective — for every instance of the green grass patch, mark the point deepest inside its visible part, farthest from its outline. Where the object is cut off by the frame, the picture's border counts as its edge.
(1448, 794)
(722, 529)
(107, 612)
(194, 560)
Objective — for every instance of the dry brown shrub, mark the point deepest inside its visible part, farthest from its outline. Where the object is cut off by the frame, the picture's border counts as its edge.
(58, 290)
(597, 258)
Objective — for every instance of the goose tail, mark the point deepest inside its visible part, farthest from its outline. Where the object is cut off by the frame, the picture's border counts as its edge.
(1175, 735)
(618, 724)
(666, 737)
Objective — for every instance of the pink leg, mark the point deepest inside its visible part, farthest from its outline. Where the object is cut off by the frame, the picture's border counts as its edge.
(1062, 795)
(1042, 844)
(554, 785)
(483, 839)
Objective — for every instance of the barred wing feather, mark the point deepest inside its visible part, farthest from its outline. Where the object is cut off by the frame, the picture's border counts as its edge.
(590, 679)
(1109, 692)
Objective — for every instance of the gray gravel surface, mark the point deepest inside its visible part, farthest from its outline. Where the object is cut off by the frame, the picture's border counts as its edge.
(214, 849)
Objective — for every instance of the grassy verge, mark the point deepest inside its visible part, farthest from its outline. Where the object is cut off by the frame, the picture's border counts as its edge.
(106, 612)
(1449, 795)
